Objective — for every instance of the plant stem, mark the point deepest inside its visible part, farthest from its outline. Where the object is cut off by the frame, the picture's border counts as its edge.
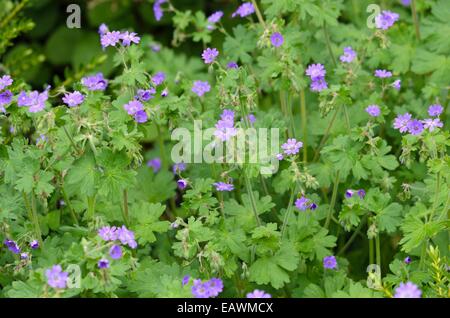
(304, 127)
(258, 14)
(126, 216)
(71, 140)
(248, 185)
(37, 228)
(371, 254)
(333, 199)
(72, 212)
(91, 207)
(288, 213)
(162, 148)
(347, 119)
(352, 238)
(13, 13)
(327, 39)
(378, 250)
(415, 18)
(325, 136)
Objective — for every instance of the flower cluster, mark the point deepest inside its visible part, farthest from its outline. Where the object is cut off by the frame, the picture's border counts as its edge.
(223, 186)
(317, 74)
(136, 108)
(208, 289)
(225, 126)
(258, 294)
(95, 82)
(405, 123)
(114, 234)
(145, 95)
(34, 100)
(6, 96)
(408, 290)
(350, 193)
(304, 203)
(386, 19)
(111, 38)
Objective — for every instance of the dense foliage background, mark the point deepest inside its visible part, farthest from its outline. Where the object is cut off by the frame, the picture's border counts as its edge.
(68, 172)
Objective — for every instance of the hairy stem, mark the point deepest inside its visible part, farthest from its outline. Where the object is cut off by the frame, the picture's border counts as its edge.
(304, 127)
(248, 185)
(126, 216)
(288, 212)
(415, 18)
(258, 14)
(325, 136)
(378, 250)
(333, 200)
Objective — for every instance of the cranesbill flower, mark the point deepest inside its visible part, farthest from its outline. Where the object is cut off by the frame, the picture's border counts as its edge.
(386, 19)
(174, 225)
(34, 244)
(316, 71)
(201, 87)
(415, 127)
(200, 289)
(95, 82)
(155, 164)
(209, 55)
(407, 260)
(165, 92)
(56, 278)
(155, 47)
(279, 156)
(361, 193)
(158, 78)
(373, 110)
(103, 263)
(129, 37)
(318, 85)
(141, 116)
(312, 206)
(5, 98)
(73, 99)
(244, 10)
(348, 56)
(225, 129)
(115, 252)
(178, 167)
(133, 107)
(214, 18)
(302, 203)
(5, 81)
(349, 193)
(185, 280)
(126, 237)
(145, 94)
(232, 64)
(108, 233)
(431, 123)
(12, 246)
(435, 110)
(251, 118)
(35, 101)
(157, 10)
(292, 146)
(383, 73)
(215, 286)
(405, 3)
(408, 290)
(277, 39)
(110, 38)
(222, 186)
(329, 262)
(258, 294)
(401, 122)
(397, 84)
(103, 29)
(24, 255)
(182, 184)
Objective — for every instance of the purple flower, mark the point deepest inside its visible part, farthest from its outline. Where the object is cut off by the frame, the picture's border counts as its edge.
(73, 99)
(302, 203)
(405, 3)
(115, 252)
(133, 107)
(318, 85)
(329, 262)
(215, 287)
(373, 110)
(140, 117)
(431, 123)
(145, 94)
(209, 55)
(232, 64)
(312, 206)
(157, 9)
(251, 118)
(158, 78)
(258, 294)
(182, 184)
(95, 82)
(103, 263)
(386, 19)
(35, 101)
(129, 37)
(382, 73)
(279, 156)
(415, 127)
(407, 260)
(408, 290)
(401, 122)
(200, 88)
(316, 71)
(126, 237)
(5, 81)
(397, 84)
(174, 225)
(56, 278)
(277, 39)
(41, 139)
(222, 186)
(244, 10)
(225, 126)
(34, 244)
(185, 280)
(155, 164)
(12, 246)
(349, 193)
(200, 289)
(108, 233)
(215, 17)
(5, 98)
(348, 56)
(103, 29)
(24, 255)
(178, 167)
(165, 92)
(361, 193)
(292, 146)
(435, 110)
(110, 38)
(155, 47)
